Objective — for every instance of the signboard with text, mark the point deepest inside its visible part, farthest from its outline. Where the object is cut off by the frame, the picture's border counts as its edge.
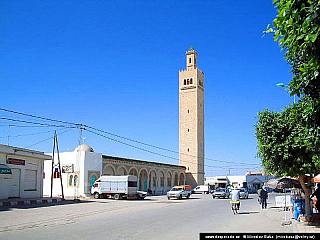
(16, 161)
(67, 168)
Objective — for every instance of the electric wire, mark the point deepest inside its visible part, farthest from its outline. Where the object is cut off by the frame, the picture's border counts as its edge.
(47, 139)
(85, 127)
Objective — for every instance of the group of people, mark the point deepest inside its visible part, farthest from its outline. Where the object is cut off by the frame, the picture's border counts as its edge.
(263, 196)
(262, 193)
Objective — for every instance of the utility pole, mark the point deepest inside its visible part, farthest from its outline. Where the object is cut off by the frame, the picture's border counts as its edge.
(56, 147)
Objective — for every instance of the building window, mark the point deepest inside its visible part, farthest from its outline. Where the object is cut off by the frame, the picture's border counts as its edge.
(188, 111)
(189, 60)
(184, 82)
(188, 130)
(73, 180)
(190, 80)
(76, 180)
(188, 149)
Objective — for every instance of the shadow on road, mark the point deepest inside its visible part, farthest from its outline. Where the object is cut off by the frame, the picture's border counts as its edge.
(40, 205)
(247, 213)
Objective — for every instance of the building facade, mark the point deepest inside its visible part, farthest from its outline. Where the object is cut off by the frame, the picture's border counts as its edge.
(21, 172)
(80, 169)
(253, 180)
(191, 120)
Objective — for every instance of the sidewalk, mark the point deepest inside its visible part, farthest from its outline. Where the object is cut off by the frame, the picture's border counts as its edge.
(308, 227)
(27, 201)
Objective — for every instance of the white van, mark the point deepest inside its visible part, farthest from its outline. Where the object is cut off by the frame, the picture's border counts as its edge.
(201, 189)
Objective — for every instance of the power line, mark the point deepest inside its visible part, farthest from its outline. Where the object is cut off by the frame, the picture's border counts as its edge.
(43, 118)
(35, 123)
(85, 127)
(47, 139)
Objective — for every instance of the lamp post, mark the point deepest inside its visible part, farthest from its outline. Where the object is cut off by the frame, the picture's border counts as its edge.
(284, 85)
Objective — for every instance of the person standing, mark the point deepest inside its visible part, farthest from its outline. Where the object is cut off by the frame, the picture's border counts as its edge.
(264, 197)
(259, 195)
(317, 194)
(235, 196)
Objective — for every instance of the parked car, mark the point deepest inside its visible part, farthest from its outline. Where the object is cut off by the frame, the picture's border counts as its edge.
(244, 193)
(201, 189)
(221, 193)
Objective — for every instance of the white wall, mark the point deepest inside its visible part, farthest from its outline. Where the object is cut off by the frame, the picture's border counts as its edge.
(83, 162)
(16, 184)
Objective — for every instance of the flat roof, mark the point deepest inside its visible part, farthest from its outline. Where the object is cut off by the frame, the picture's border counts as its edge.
(142, 162)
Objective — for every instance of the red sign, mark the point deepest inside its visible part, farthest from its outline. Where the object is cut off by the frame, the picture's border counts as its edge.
(16, 161)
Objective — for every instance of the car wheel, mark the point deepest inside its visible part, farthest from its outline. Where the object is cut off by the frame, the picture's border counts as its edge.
(169, 198)
(180, 197)
(96, 195)
(116, 196)
(213, 196)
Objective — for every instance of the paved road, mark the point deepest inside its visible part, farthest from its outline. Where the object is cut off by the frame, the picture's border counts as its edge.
(152, 218)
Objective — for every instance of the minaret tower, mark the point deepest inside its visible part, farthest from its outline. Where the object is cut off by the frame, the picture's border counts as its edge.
(191, 120)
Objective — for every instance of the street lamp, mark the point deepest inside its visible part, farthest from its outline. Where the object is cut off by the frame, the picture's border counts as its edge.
(285, 85)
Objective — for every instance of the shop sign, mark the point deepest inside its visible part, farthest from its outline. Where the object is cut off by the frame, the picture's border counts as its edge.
(16, 161)
(67, 168)
(5, 171)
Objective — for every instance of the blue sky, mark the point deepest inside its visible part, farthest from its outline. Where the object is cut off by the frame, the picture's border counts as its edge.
(114, 65)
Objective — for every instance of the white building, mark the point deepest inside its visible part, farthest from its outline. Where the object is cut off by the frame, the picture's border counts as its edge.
(78, 168)
(83, 166)
(253, 180)
(21, 172)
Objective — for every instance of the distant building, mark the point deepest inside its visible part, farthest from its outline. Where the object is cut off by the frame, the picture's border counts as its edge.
(253, 180)
(83, 166)
(21, 172)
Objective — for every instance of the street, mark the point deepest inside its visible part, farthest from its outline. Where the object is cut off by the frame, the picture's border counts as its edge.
(152, 218)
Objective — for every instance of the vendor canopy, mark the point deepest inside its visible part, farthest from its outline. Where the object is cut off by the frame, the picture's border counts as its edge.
(281, 183)
(316, 179)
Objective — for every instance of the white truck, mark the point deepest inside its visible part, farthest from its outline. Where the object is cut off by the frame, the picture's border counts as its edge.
(117, 187)
(201, 189)
(179, 192)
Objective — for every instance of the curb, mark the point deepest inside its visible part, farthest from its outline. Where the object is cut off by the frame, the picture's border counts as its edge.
(27, 202)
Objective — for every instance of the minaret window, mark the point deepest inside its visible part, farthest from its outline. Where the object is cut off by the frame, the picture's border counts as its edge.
(190, 80)
(189, 60)
(184, 82)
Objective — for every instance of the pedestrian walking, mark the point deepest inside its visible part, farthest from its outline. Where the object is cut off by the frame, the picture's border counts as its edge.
(259, 195)
(264, 197)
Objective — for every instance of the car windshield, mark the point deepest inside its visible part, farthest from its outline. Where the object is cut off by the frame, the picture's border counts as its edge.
(221, 190)
(176, 189)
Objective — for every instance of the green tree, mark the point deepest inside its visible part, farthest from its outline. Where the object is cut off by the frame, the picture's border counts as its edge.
(297, 28)
(285, 147)
(289, 141)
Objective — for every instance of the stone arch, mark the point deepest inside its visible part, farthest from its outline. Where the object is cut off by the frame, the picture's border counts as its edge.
(169, 180)
(162, 179)
(181, 179)
(143, 180)
(133, 171)
(175, 180)
(121, 171)
(153, 180)
(162, 182)
(108, 170)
